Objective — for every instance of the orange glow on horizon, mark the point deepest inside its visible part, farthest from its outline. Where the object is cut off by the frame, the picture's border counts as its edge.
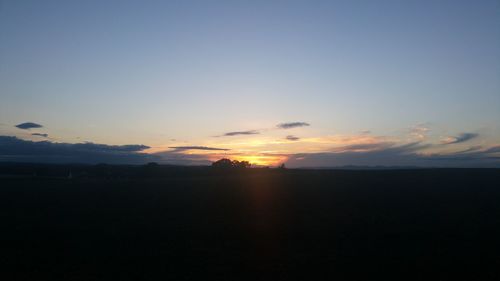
(254, 159)
(261, 160)
(269, 151)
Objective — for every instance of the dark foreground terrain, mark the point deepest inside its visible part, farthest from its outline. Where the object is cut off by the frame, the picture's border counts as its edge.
(255, 224)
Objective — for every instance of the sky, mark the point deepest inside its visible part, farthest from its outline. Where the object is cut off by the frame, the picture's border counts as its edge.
(305, 83)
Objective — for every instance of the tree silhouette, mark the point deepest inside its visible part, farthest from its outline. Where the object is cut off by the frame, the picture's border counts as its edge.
(241, 164)
(228, 164)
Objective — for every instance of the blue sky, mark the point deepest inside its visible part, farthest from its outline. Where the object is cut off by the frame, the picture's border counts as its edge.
(178, 73)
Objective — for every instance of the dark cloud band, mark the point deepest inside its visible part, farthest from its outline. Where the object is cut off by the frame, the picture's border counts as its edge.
(391, 155)
(181, 148)
(462, 138)
(292, 138)
(40, 135)
(28, 125)
(239, 133)
(15, 149)
(291, 125)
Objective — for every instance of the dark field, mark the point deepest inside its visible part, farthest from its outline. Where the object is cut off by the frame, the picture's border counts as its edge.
(254, 224)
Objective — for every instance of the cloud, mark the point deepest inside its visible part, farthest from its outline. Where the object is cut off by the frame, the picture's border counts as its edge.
(179, 158)
(292, 138)
(18, 150)
(420, 131)
(494, 149)
(291, 125)
(363, 147)
(238, 133)
(110, 148)
(28, 125)
(460, 138)
(40, 135)
(471, 149)
(373, 155)
(182, 148)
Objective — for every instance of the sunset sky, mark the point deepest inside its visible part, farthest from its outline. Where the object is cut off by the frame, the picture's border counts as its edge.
(306, 83)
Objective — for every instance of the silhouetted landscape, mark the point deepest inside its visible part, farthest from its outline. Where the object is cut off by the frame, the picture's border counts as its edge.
(234, 140)
(157, 222)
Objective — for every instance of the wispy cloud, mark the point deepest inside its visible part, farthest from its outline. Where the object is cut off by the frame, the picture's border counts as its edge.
(460, 138)
(179, 158)
(420, 131)
(363, 147)
(291, 125)
(28, 125)
(40, 135)
(292, 138)
(183, 148)
(288, 125)
(494, 149)
(239, 133)
(396, 155)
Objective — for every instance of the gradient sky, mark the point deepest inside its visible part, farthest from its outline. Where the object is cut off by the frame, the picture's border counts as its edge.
(367, 76)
